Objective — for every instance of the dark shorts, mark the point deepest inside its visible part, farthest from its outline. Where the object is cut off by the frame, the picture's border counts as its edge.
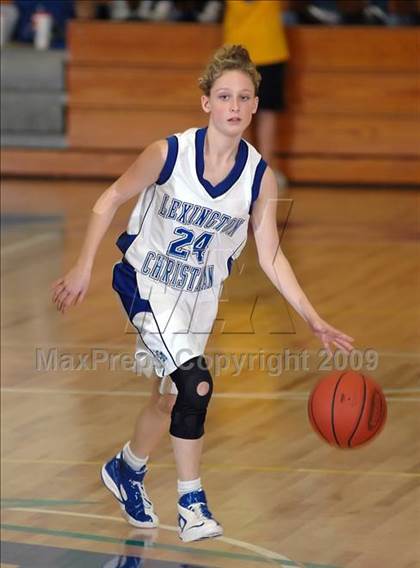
(271, 94)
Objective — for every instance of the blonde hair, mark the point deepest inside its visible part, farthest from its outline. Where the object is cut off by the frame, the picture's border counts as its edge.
(228, 58)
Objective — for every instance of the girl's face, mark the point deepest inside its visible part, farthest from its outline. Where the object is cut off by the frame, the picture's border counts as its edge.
(231, 103)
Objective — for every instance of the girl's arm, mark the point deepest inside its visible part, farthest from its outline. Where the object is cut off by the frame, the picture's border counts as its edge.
(278, 269)
(72, 288)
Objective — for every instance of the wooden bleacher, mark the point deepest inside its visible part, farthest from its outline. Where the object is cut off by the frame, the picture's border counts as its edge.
(353, 100)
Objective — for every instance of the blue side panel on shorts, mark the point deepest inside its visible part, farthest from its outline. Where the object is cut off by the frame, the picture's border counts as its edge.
(162, 339)
(124, 282)
(256, 184)
(171, 157)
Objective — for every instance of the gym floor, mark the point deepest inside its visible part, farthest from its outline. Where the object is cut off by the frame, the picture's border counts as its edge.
(284, 496)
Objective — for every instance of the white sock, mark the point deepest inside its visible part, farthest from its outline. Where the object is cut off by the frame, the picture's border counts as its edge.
(131, 459)
(188, 486)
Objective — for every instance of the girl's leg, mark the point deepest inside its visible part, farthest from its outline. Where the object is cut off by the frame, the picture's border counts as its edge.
(187, 454)
(266, 131)
(152, 422)
(266, 128)
(195, 385)
(124, 474)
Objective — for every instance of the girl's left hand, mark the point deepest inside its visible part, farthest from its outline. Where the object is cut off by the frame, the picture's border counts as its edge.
(331, 336)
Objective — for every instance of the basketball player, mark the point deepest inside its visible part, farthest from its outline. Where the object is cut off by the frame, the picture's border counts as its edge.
(197, 192)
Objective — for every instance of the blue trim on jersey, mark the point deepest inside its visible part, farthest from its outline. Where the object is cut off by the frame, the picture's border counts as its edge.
(171, 157)
(124, 241)
(234, 174)
(256, 184)
(231, 259)
(229, 264)
(124, 282)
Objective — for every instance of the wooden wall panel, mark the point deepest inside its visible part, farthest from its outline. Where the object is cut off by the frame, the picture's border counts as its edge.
(142, 43)
(66, 163)
(362, 48)
(387, 170)
(312, 47)
(309, 92)
(353, 93)
(339, 134)
(127, 87)
(126, 129)
(356, 93)
(108, 164)
(298, 133)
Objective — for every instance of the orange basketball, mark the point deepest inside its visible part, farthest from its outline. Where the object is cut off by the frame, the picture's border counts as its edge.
(347, 409)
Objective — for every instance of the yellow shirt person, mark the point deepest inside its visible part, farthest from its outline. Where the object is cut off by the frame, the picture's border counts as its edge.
(258, 26)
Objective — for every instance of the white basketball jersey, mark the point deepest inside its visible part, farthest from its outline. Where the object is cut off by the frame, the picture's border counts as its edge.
(184, 233)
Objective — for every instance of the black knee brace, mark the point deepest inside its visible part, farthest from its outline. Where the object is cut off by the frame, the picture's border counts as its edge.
(189, 411)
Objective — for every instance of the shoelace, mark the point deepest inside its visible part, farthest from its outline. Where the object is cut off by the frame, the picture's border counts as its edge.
(200, 510)
(142, 491)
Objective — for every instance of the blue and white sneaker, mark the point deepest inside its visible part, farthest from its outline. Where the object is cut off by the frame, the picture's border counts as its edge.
(194, 518)
(125, 562)
(127, 487)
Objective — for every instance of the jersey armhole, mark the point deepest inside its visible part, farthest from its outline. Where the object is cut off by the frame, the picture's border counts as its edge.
(256, 184)
(171, 157)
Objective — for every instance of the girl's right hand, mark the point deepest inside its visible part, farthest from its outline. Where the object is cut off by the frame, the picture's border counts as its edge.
(71, 289)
